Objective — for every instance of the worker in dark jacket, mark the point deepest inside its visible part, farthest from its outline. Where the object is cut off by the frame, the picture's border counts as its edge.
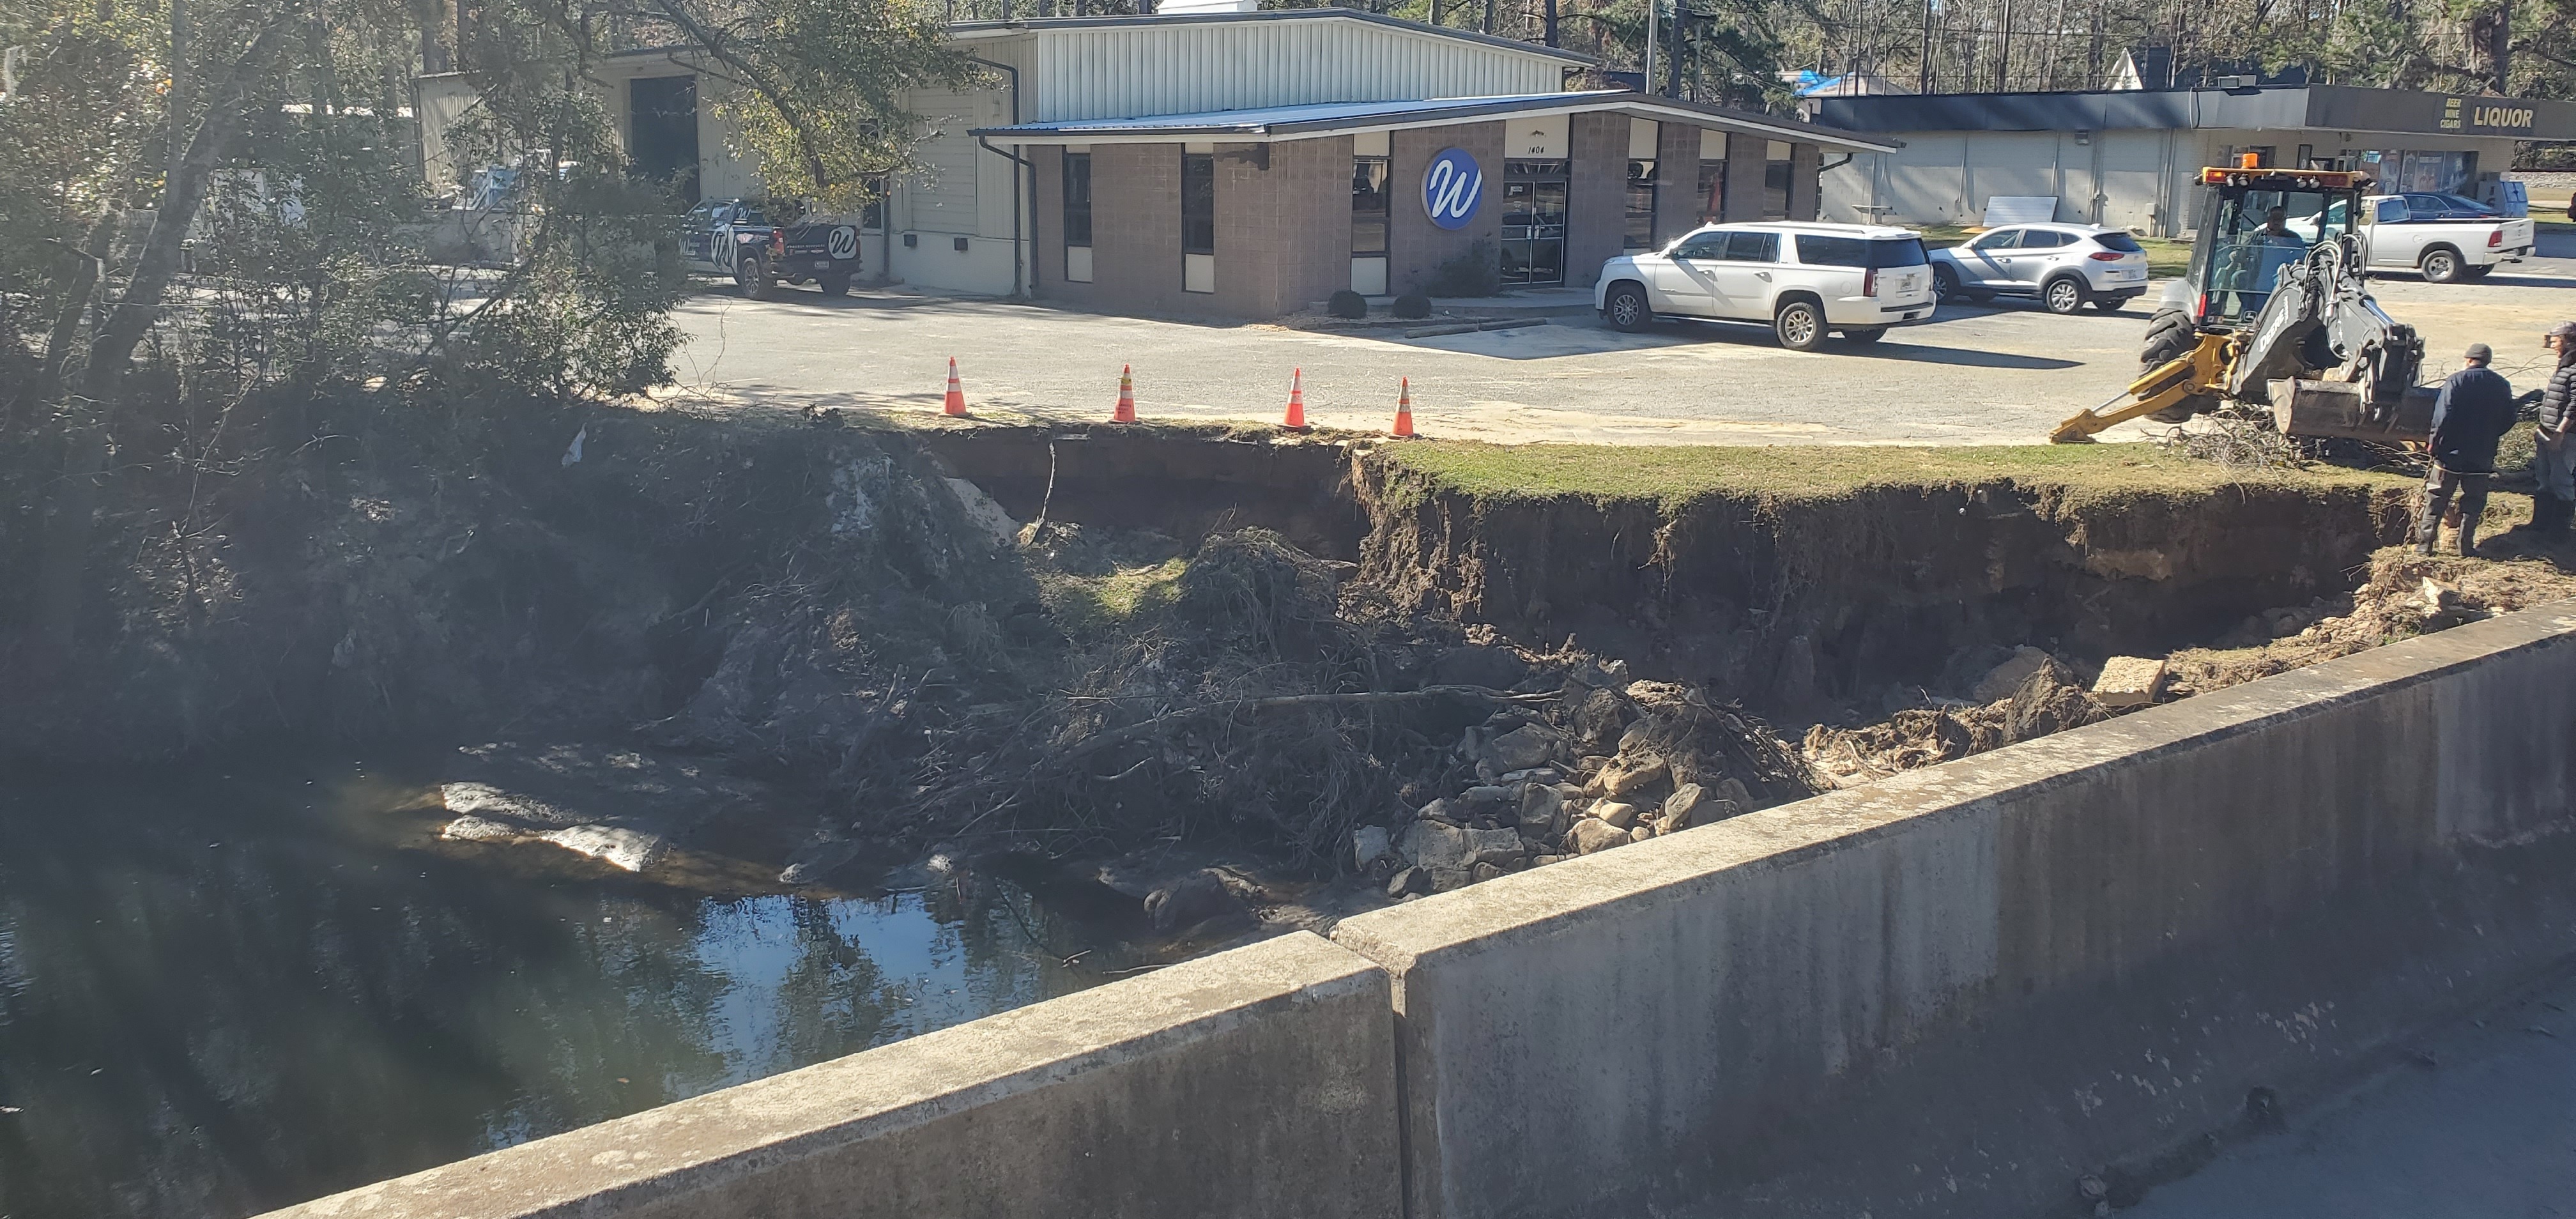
(2553, 460)
(2473, 413)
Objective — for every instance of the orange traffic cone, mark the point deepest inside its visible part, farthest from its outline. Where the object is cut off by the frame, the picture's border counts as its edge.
(1296, 401)
(1126, 397)
(956, 404)
(1404, 409)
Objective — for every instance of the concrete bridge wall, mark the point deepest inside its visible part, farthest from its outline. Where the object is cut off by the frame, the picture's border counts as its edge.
(1958, 991)
(1258, 1082)
(1951, 993)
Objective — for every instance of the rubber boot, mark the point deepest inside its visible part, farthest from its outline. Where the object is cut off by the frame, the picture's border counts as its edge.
(2549, 516)
(2469, 532)
(2429, 527)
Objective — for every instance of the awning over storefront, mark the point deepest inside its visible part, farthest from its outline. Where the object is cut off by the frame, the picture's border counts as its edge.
(1343, 118)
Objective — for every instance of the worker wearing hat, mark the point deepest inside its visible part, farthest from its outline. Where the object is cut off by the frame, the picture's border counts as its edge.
(2472, 414)
(2553, 463)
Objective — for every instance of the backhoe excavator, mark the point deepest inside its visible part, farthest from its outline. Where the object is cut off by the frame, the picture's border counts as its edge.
(2276, 311)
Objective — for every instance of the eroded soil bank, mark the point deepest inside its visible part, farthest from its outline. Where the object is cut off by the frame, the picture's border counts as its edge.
(1377, 669)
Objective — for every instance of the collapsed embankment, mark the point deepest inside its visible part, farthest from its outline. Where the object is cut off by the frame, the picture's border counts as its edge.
(1091, 637)
(1805, 601)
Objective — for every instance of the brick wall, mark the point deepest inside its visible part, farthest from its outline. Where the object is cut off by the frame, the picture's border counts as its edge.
(1047, 247)
(1597, 199)
(1746, 157)
(1677, 197)
(1283, 234)
(1135, 231)
(1414, 246)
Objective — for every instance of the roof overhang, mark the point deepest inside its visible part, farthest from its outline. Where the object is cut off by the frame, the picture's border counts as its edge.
(1272, 123)
(973, 30)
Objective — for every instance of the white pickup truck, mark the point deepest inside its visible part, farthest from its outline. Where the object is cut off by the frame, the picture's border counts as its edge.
(2446, 237)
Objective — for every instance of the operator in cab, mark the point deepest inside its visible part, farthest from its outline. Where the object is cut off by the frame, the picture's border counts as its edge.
(2471, 416)
(2250, 262)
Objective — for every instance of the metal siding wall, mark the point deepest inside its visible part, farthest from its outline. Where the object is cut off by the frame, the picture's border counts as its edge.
(1112, 73)
(1926, 179)
(945, 193)
(2132, 175)
(2010, 163)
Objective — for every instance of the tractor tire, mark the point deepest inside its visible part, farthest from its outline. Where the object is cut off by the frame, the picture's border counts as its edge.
(2172, 335)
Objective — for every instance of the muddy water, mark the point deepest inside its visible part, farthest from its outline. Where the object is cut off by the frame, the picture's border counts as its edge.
(220, 995)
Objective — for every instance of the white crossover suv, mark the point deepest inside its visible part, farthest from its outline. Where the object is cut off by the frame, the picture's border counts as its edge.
(2066, 266)
(1802, 279)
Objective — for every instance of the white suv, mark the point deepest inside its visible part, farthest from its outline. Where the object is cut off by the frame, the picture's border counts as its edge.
(1803, 279)
(2066, 266)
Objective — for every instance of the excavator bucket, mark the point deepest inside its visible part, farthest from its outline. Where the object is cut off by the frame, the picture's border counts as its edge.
(2334, 409)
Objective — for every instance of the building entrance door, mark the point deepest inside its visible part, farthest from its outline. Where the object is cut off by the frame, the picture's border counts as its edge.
(662, 139)
(1534, 222)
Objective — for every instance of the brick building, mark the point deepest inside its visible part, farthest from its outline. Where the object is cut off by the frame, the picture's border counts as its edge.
(1259, 211)
(1225, 162)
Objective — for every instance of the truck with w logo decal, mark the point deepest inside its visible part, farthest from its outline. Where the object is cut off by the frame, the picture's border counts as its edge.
(735, 238)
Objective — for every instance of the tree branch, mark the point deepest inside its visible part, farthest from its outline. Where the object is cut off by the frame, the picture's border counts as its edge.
(716, 45)
(227, 114)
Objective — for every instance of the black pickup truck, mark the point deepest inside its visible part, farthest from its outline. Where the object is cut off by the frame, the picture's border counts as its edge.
(735, 237)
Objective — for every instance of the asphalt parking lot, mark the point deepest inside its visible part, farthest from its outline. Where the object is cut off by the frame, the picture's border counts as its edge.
(1996, 374)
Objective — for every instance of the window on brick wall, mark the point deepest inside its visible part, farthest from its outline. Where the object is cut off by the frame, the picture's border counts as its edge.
(1198, 203)
(1371, 204)
(1077, 198)
(1640, 231)
(1712, 189)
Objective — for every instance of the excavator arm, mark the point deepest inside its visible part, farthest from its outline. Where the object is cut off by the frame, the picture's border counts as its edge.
(2347, 367)
(2159, 387)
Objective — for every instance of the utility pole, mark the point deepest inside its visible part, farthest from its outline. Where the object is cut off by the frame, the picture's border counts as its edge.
(1654, 9)
(1924, 82)
(2003, 52)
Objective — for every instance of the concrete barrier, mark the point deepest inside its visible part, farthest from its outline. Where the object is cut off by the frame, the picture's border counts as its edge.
(1258, 1082)
(1957, 991)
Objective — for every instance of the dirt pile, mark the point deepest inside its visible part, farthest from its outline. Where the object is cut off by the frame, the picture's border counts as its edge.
(2047, 698)
(2404, 595)
(1597, 761)
(1243, 688)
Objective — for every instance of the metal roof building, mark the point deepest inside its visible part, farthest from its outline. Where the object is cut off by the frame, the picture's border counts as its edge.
(2130, 158)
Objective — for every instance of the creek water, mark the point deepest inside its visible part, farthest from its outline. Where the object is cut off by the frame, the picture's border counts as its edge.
(221, 994)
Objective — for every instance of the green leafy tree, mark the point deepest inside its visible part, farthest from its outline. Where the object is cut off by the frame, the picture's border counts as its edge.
(216, 211)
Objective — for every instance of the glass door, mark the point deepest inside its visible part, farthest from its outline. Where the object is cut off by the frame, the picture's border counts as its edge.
(1534, 194)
